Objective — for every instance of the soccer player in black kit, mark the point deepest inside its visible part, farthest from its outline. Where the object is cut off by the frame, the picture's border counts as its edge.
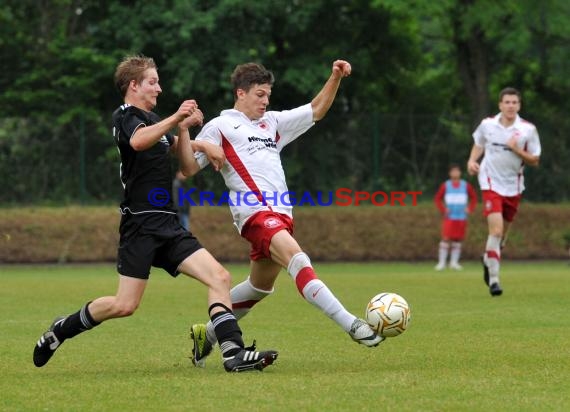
(150, 233)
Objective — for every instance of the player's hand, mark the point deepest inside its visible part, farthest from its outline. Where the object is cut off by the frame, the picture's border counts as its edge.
(341, 68)
(215, 155)
(472, 167)
(186, 109)
(195, 119)
(512, 143)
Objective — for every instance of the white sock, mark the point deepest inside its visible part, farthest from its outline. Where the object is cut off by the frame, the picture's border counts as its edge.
(443, 251)
(493, 258)
(316, 292)
(455, 253)
(244, 296)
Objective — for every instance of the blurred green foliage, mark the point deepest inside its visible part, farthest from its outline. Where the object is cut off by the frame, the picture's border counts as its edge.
(424, 74)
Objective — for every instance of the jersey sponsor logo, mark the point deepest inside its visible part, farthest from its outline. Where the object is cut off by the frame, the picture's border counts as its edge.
(271, 223)
(501, 146)
(268, 142)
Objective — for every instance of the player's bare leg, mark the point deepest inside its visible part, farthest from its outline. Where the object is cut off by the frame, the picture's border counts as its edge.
(202, 266)
(124, 303)
(507, 226)
(286, 252)
(264, 273)
(244, 296)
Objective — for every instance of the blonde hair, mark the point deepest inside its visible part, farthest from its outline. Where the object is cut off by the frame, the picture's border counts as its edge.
(132, 68)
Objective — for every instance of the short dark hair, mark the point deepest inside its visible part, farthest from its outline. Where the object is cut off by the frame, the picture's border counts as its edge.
(246, 75)
(510, 91)
(132, 68)
(453, 166)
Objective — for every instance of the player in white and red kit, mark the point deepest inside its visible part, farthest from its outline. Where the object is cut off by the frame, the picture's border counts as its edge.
(509, 143)
(252, 139)
(455, 199)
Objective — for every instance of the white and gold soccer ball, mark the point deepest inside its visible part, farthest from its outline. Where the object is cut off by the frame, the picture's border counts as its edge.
(388, 314)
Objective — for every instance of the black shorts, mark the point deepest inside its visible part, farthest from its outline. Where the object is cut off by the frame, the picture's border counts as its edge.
(153, 239)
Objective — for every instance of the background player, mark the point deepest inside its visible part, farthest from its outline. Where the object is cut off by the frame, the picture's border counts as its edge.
(455, 199)
(509, 143)
(252, 139)
(182, 207)
(150, 233)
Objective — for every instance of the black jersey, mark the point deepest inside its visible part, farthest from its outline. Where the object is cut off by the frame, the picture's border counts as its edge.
(146, 174)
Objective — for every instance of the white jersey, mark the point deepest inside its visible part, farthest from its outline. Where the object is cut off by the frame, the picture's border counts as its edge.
(253, 172)
(502, 170)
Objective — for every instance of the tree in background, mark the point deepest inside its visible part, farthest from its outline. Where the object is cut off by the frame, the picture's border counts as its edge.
(424, 73)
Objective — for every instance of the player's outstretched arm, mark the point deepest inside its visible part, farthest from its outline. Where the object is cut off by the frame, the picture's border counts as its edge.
(146, 137)
(324, 99)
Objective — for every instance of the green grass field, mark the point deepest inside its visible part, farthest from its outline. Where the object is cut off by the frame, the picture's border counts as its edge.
(464, 351)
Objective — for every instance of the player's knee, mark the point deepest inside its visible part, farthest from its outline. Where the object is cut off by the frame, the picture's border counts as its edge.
(497, 231)
(124, 309)
(221, 278)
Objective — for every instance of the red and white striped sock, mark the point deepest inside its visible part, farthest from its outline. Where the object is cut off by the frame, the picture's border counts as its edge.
(316, 292)
(493, 258)
(244, 296)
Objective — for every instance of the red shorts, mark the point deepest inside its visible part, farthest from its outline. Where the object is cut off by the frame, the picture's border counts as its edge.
(495, 203)
(453, 229)
(260, 228)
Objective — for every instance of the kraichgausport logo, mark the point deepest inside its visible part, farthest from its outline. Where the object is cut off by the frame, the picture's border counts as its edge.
(158, 197)
(339, 197)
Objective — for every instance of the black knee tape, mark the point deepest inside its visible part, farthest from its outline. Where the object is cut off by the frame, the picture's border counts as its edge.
(218, 304)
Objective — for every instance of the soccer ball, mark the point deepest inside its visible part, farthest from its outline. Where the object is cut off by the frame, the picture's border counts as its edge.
(388, 314)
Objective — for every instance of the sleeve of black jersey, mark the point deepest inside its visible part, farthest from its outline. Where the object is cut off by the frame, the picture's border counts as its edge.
(132, 120)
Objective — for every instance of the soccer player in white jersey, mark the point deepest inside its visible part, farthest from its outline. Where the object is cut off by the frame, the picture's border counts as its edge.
(252, 139)
(508, 144)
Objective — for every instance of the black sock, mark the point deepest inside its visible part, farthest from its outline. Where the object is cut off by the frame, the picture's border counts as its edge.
(75, 323)
(228, 332)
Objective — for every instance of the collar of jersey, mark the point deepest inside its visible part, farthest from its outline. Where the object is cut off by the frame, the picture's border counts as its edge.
(498, 116)
(240, 115)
